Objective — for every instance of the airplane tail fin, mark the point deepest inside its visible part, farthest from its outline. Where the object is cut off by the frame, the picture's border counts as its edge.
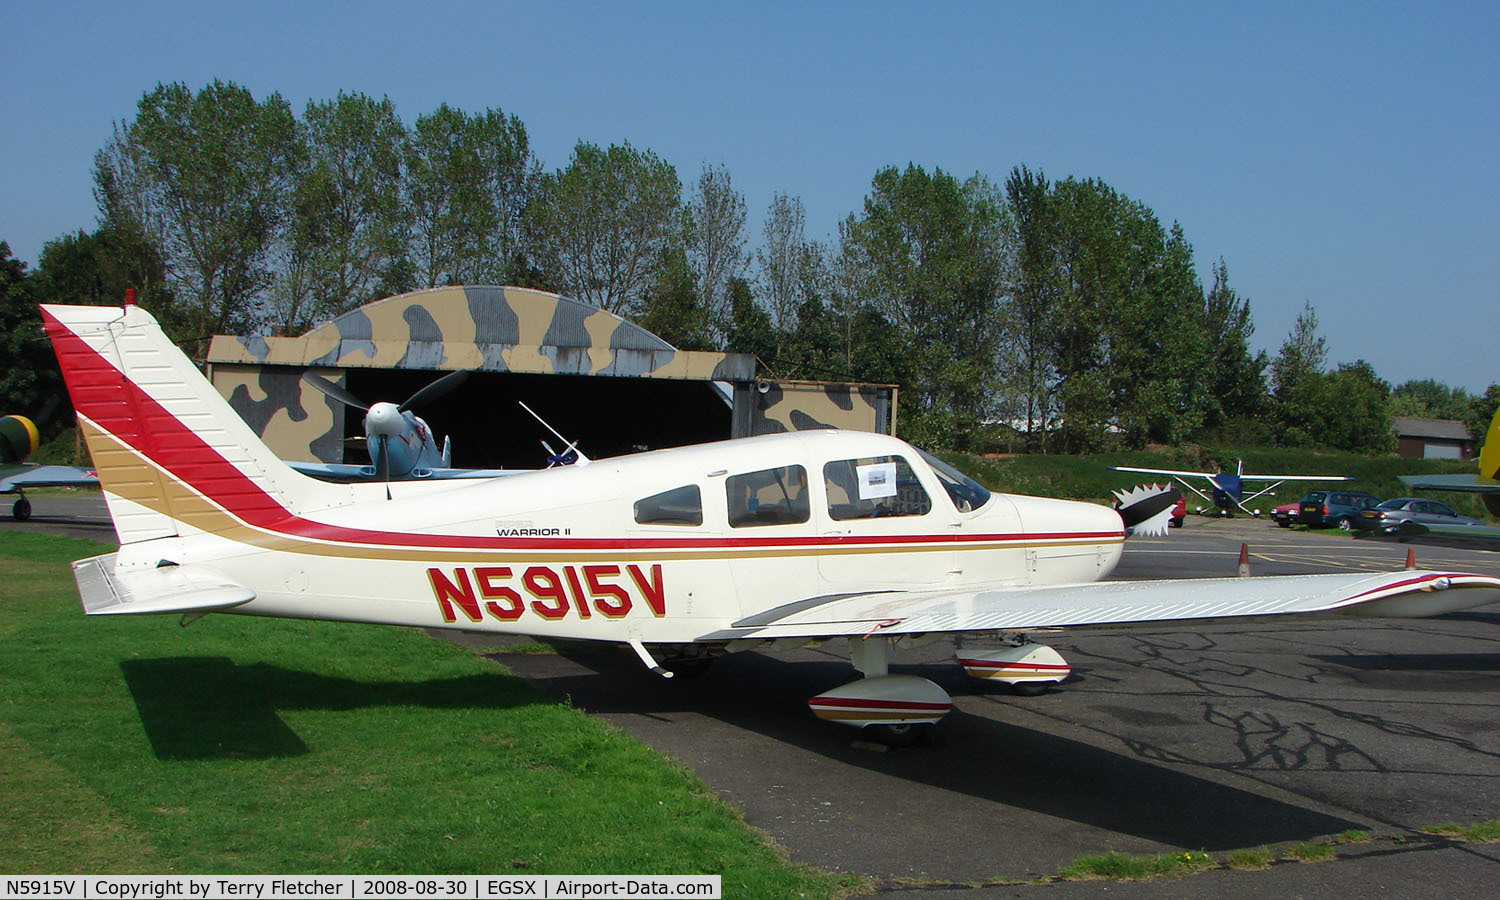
(172, 456)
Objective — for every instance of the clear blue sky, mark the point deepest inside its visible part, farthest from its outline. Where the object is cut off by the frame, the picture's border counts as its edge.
(1342, 154)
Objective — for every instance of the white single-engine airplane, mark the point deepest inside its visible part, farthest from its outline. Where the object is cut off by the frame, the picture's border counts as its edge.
(679, 554)
(1228, 487)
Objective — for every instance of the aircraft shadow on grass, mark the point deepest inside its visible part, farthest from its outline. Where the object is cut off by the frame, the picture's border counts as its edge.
(198, 708)
(972, 755)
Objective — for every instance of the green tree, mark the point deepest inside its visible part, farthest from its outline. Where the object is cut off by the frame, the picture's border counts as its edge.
(96, 269)
(750, 328)
(1429, 399)
(206, 178)
(28, 372)
(782, 260)
(348, 226)
(715, 241)
(601, 227)
(1304, 353)
(1349, 409)
(928, 251)
(1237, 377)
(1029, 339)
(1482, 412)
(672, 310)
(470, 179)
(1126, 321)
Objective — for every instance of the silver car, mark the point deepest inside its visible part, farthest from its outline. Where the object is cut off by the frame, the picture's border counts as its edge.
(1386, 517)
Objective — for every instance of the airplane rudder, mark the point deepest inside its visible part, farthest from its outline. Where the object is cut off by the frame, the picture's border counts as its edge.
(162, 437)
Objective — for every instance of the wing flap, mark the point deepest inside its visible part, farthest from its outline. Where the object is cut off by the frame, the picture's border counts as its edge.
(108, 591)
(1001, 608)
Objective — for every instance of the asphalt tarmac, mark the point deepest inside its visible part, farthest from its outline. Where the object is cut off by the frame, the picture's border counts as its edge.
(1202, 738)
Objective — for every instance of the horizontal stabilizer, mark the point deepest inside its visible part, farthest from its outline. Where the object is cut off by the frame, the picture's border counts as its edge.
(107, 591)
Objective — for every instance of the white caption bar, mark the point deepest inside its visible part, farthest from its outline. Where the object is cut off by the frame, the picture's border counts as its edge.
(359, 887)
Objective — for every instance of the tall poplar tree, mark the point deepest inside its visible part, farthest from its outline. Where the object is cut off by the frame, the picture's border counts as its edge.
(601, 228)
(206, 177)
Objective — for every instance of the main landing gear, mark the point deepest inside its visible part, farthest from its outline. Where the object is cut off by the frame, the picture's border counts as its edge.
(895, 709)
(21, 510)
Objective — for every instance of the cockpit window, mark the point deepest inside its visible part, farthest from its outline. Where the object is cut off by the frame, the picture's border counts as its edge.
(679, 506)
(768, 497)
(966, 493)
(872, 488)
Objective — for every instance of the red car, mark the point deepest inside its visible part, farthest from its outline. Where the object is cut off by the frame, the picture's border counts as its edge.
(1285, 515)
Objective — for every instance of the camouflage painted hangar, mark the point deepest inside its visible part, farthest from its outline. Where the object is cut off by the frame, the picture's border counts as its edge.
(599, 379)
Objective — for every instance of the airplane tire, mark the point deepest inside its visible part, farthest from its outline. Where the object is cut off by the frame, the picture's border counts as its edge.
(1030, 688)
(902, 734)
(22, 510)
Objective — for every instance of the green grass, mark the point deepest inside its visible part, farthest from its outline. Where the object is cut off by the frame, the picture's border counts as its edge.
(1312, 851)
(1251, 860)
(242, 745)
(1479, 833)
(1114, 866)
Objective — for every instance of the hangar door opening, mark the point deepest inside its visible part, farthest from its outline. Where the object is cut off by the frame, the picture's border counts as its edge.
(606, 416)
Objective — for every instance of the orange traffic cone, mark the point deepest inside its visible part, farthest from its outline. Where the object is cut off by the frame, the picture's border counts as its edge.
(1244, 560)
(1411, 557)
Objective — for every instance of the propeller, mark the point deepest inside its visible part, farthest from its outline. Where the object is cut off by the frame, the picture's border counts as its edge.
(334, 391)
(383, 420)
(435, 390)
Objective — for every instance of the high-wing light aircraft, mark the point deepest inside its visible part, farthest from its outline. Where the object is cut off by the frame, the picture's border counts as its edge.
(18, 440)
(679, 554)
(1228, 488)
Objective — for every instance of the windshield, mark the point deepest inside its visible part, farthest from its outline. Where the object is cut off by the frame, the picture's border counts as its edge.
(966, 493)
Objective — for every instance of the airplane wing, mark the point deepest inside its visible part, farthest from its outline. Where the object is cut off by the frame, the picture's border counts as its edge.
(1241, 477)
(1408, 593)
(1296, 478)
(16, 478)
(342, 473)
(1164, 472)
(1468, 483)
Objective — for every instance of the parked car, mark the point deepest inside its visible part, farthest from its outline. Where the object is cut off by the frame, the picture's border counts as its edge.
(1386, 517)
(1333, 509)
(1179, 512)
(1285, 515)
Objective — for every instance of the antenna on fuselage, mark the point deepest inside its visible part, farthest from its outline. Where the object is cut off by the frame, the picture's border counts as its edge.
(572, 446)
